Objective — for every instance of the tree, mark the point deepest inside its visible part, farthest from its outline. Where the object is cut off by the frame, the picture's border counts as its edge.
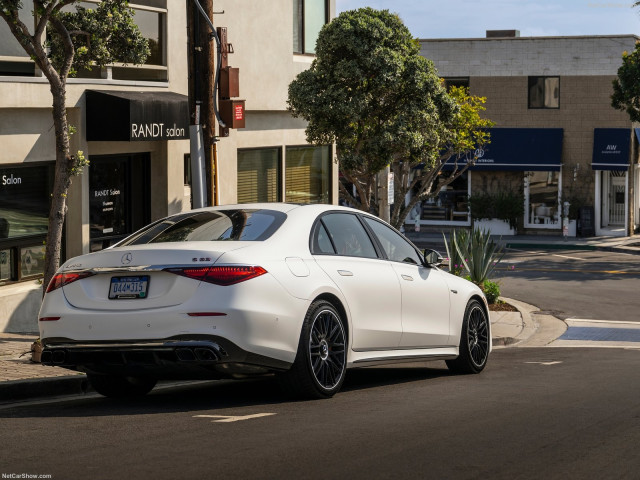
(626, 88)
(462, 136)
(64, 41)
(371, 93)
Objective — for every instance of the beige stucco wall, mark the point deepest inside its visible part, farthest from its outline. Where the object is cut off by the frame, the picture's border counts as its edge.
(261, 33)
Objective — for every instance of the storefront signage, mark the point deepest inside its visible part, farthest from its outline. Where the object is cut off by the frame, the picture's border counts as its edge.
(11, 180)
(155, 130)
(611, 149)
(136, 116)
(517, 149)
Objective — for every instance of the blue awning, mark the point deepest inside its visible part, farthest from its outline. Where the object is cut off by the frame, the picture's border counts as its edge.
(611, 149)
(519, 149)
(637, 130)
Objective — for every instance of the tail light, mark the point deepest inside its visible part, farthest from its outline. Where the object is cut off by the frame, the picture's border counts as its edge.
(62, 279)
(219, 275)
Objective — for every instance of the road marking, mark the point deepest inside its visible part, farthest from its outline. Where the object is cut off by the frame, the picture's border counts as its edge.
(545, 363)
(617, 272)
(233, 418)
(609, 323)
(570, 258)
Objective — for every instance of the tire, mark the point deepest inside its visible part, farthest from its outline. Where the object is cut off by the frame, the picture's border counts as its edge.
(114, 386)
(321, 362)
(474, 341)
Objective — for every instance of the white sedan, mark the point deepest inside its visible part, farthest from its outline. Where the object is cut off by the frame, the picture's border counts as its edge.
(302, 291)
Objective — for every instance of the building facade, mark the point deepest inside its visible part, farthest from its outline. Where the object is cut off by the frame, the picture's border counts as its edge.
(132, 123)
(556, 139)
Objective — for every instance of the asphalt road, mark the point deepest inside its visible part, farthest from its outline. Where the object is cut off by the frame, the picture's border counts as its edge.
(534, 413)
(574, 284)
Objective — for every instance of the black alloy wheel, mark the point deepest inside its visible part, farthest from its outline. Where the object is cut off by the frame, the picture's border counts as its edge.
(321, 362)
(474, 341)
(327, 354)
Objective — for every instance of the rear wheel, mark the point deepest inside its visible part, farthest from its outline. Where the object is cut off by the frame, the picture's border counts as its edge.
(320, 365)
(115, 386)
(474, 341)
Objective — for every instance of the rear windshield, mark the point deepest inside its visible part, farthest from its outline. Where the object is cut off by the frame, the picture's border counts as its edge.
(220, 225)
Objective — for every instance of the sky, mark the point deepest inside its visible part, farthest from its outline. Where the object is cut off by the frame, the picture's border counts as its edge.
(471, 18)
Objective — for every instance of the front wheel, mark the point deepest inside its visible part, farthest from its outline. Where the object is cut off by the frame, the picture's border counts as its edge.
(474, 341)
(115, 386)
(320, 365)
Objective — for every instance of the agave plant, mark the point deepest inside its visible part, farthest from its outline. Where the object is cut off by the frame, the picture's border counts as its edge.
(457, 237)
(479, 255)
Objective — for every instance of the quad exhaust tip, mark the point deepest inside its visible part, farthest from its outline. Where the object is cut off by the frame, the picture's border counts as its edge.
(198, 354)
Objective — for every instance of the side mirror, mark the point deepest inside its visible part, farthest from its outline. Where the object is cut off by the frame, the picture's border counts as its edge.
(432, 258)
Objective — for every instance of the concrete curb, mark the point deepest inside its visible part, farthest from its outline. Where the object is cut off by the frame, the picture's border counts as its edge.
(529, 324)
(538, 329)
(43, 387)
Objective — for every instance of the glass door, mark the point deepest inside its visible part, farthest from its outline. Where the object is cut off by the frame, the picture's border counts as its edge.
(119, 197)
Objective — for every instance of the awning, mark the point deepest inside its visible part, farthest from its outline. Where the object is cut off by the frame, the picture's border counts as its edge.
(136, 116)
(520, 149)
(611, 148)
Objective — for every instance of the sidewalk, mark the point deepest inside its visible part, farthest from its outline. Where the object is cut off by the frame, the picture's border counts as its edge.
(21, 379)
(546, 242)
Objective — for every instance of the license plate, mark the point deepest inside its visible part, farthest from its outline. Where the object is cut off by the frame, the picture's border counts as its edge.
(128, 287)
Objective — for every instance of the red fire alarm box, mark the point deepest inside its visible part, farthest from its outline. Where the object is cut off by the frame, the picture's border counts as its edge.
(232, 113)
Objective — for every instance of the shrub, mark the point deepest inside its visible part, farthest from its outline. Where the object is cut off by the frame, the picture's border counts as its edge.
(479, 255)
(491, 291)
(460, 237)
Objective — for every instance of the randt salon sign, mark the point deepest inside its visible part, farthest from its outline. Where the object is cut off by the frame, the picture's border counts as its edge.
(157, 131)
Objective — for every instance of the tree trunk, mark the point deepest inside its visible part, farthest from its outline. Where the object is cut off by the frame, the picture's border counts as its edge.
(61, 182)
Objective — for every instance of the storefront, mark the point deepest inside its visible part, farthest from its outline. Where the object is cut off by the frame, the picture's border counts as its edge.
(524, 162)
(610, 162)
(24, 212)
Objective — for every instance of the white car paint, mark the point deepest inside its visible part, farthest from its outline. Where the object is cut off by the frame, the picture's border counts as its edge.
(392, 311)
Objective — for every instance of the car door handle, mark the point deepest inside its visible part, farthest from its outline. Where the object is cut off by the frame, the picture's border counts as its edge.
(408, 277)
(345, 273)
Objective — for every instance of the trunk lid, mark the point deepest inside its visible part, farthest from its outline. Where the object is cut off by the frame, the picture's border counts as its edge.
(141, 266)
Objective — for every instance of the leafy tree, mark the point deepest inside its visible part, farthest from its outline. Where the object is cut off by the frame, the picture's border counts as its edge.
(425, 174)
(63, 41)
(626, 88)
(369, 91)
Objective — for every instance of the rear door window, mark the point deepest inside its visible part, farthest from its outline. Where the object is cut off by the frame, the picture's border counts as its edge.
(348, 236)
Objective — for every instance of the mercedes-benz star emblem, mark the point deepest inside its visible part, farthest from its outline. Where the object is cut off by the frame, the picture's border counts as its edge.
(127, 257)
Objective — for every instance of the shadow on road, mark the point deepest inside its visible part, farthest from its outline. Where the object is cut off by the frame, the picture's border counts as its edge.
(221, 394)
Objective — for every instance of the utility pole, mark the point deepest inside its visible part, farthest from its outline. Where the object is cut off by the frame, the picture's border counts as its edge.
(201, 64)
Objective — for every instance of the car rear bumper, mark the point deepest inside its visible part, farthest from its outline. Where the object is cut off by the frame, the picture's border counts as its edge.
(194, 357)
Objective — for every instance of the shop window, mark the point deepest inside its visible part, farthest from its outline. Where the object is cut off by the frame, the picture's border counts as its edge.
(451, 204)
(309, 16)
(24, 214)
(542, 199)
(6, 265)
(32, 261)
(259, 175)
(119, 198)
(307, 174)
(456, 82)
(544, 92)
